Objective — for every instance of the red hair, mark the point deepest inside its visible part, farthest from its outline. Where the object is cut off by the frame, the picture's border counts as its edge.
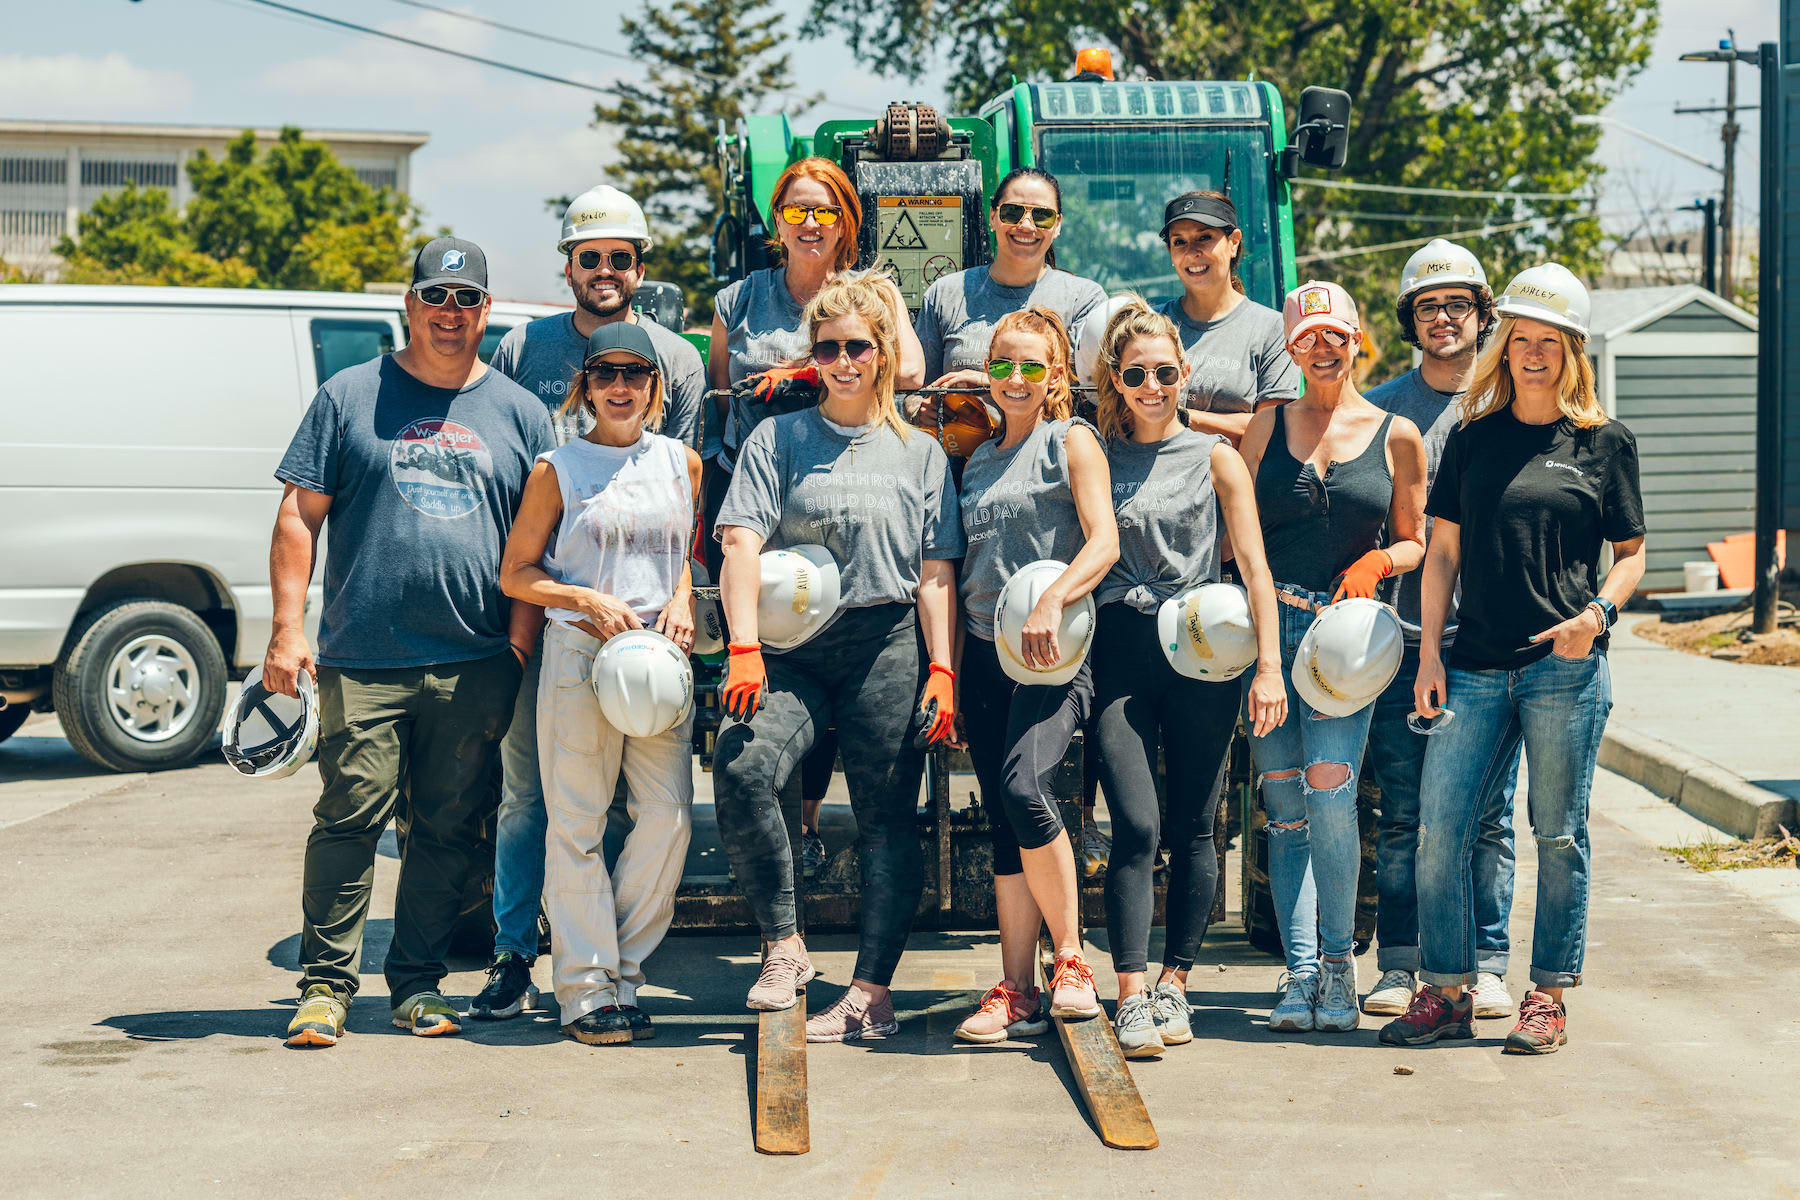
(831, 176)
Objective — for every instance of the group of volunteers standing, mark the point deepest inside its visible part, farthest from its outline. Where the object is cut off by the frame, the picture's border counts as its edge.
(1223, 440)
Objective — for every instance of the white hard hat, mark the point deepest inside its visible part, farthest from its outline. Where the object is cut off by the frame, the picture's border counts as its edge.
(604, 212)
(1091, 332)
(643, 682)
(1441, 263)
(1347, 656)
(1548, 292)
(799, 595)
(1073, 636)
(1206, 632)
(709, 618)
(268, 735)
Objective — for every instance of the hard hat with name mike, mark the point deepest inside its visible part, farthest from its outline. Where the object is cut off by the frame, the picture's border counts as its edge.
(1441, 263)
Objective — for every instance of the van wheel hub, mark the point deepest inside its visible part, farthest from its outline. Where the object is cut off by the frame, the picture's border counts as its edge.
(150, 688)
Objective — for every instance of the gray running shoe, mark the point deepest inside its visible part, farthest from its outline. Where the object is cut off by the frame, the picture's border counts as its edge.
(1171, 1008)
(1293, 1013)
(1336, 1009)
(812, 853)
(1135, 1026)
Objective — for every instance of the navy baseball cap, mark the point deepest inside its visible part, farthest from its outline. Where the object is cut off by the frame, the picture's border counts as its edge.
(1208, 210)
(450, 262)
(622, 335)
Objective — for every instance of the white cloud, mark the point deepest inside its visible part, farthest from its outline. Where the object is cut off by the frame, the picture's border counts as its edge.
(73, 86)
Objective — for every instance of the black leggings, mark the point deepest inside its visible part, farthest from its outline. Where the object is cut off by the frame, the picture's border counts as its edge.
(862, 674)
(1142, 701)
(1017, 737)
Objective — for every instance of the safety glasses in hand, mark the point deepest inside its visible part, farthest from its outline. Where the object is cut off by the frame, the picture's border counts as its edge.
(824, 214)
(1012, 214)
(634, 374)
(437, 297)
(618, 260)
(1168, 375)
(1002, 369)
(1430, 725)
(1335, 338)
(858, 350)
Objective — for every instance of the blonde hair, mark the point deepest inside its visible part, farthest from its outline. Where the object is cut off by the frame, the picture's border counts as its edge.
(1059, 403)
(861, 295)
(1136, 320)
(580, 397)
(1492, 388)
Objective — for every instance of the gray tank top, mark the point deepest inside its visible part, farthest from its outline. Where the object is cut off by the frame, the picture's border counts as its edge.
(1313, 527)
(1168, 519)
(1016, 509)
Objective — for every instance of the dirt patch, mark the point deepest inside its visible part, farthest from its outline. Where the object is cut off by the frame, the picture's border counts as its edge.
(1727, 636)
(1781, 851)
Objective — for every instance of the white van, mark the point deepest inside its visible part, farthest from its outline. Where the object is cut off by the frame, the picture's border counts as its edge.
(140, 428)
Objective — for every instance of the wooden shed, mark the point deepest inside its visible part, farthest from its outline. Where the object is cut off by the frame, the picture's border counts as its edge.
(1678, 366)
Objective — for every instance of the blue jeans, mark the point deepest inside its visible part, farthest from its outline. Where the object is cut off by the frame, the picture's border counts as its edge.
(1315, 850)
(1557, 707)
(520, 828)
(1397, 757)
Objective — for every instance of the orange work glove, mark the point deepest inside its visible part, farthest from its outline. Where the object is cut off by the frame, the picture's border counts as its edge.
(745, 680)
(1363, 574)
(936, 718)
(768, 381)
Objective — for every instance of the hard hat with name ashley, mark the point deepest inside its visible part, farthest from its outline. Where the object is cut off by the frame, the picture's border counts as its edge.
(798, 596)
(268, 735)
(1349, 654)
(1206, 632)
(1548, 292)
(1074, 634)
(603, 212)
(1441, 263)
(643, 682)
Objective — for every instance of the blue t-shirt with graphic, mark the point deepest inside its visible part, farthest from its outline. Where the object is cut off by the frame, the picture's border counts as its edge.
(424, 483)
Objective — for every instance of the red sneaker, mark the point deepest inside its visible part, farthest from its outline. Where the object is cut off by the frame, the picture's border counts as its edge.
(1004, 1012)
(1543, 1026)
(1431, 1016)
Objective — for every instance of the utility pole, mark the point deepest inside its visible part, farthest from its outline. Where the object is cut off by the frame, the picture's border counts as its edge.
(1709, 241)
(1728, 54)
(1769, 304)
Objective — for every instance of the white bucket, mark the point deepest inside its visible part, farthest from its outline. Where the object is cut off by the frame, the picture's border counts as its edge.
(1701, 576)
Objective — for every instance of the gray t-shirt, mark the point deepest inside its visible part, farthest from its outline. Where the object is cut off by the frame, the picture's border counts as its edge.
(424, 483)
(1017, 507)
(880, 503)
(1168, 518)
(957, 317)
(763, 329)
(1435, 413)
(1236, 360)
(543, 356)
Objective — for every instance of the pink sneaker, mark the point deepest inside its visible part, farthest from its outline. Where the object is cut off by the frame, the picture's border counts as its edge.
(1004, 1012)
(1072, 988)
(851, 1018)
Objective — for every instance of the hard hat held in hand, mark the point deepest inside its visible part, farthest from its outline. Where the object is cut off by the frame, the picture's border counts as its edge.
(1073, 636)
(1441, 263)
(643, 682)
(968, 421)
(1548, 292)
(268, 735)
(1348, 656)
(799, 595)
(1206, 632)
(1091, 332)
(603, 212)
(709, 618)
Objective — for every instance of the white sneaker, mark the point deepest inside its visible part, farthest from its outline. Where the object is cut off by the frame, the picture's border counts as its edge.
(1392, 993)
(1294, 1012)
(1336, 1009)
(1491, 997)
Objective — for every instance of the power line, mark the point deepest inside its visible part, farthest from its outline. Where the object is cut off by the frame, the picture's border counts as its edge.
(1346, 185)
(1483, 231)
(530, 33)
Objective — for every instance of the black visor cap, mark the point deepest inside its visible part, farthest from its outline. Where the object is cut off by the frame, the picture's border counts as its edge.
(1207, 210)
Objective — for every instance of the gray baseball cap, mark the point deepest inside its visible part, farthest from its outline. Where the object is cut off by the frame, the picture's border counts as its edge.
(450, 262)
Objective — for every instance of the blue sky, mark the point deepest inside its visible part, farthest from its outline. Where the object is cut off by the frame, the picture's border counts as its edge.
(500, 143)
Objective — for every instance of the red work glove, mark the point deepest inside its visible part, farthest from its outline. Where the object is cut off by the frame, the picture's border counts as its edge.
(935, 719)
(745, 681)
(766, 384)
(1363, 574)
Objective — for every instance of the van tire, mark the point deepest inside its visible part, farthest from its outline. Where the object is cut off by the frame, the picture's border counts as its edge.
(81, 680)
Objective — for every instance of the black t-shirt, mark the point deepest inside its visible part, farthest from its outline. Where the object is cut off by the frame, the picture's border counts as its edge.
(1535, 504)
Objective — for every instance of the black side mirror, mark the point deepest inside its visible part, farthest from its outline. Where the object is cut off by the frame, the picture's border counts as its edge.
(1321, 132)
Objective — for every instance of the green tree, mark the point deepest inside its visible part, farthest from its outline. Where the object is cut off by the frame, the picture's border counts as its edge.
(1477, 95)
(706, 61)
(294, 217)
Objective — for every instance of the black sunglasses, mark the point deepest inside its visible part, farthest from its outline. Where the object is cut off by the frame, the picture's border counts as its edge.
(437, 297)
(618, 260)
(1168, 375)
(859, 351)
(634, 374)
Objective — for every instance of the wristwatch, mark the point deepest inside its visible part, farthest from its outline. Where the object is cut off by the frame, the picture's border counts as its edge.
(1609, 612)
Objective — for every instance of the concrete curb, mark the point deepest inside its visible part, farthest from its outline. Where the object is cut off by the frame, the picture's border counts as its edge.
(1696, 786)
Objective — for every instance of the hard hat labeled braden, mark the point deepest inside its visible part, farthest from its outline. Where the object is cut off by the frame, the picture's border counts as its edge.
(1349, 654)
(643, 682)
(1441, 263)
(798, 597)
(1073, 636)
(1548, 292)
(603, 212)
(268, 735)
(1206, 632)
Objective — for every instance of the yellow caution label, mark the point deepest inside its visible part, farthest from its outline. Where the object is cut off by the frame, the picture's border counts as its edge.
(1312, 667)
(802, 592)
(1197, 633)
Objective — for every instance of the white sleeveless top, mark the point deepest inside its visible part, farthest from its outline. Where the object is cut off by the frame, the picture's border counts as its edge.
(627, 520)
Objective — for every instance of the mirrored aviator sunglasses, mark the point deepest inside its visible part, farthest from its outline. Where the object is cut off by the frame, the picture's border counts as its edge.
(1002, 369)
(858, 351)
(1043, 218)
(824, 214)
(437, 297)
(1335, 338)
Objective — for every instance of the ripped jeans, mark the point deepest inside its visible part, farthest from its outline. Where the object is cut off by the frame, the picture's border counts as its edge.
(1306, 770)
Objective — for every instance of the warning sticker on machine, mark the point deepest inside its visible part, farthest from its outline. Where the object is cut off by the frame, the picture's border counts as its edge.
(918, 239)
